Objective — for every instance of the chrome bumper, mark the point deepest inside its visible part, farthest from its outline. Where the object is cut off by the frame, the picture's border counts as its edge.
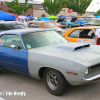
(91, 79)
(76, 25)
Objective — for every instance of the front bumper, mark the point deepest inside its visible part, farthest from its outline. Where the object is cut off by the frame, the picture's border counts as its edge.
(75, 25)
(91, 79)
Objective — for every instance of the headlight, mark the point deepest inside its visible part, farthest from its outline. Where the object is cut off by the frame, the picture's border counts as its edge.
(87, 71)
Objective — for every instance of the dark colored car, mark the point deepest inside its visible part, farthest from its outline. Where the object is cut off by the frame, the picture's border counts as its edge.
(8, 25)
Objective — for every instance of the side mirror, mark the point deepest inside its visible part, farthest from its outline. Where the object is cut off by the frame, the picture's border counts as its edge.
(13, 47)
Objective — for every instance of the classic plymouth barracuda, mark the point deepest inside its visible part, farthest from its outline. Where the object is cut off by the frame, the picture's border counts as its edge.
(46, 55)
(81, 34)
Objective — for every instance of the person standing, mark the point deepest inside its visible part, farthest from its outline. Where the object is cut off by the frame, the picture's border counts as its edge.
(97, 37)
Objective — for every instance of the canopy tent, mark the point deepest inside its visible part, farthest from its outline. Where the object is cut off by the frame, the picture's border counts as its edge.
(13, 14)
(5, 16)
(52, 17)
(97, 16)
(62, 16)
(70, 16)
(30, 17)
(44, 19)
(91, 16)
(22, 17)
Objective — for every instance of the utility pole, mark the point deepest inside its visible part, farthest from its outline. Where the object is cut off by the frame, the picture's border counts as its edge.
(97, 5)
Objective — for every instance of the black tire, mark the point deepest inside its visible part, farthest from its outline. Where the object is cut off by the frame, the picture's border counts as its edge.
(63, 27)
(70, 26)
(0, 71)
(55, 82)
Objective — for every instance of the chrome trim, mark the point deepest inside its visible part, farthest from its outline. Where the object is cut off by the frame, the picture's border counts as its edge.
(22, 41)
(93, 78)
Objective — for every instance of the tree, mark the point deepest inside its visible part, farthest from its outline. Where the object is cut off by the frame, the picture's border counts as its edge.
(78, 6)
(26, 7)
(53, 7)
(18, 8)
(97, 13)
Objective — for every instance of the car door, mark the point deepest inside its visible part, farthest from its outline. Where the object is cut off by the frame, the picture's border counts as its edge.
(73, 36)
(15, 60)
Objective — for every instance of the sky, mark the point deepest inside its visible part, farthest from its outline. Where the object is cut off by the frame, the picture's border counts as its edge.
(94, 6)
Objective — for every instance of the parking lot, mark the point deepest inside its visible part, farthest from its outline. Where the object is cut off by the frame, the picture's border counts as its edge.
(11, 82)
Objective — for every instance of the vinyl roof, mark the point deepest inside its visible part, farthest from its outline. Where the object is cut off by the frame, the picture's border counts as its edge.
(24, 31)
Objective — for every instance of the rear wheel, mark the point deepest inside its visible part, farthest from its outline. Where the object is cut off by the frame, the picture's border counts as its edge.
(54, 81)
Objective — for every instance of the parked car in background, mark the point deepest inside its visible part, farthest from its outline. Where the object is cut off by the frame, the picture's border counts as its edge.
(82, 21)
(44, 54)
(8, 25)
(95, 22)
(69, 23)
(47, 25)
(81, 34)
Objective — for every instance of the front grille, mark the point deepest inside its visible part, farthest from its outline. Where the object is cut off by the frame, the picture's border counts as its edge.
(63, 23)
(93, 70)
(95, 67)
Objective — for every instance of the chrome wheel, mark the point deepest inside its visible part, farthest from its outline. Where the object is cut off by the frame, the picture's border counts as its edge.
(70, 26)
(52, 80)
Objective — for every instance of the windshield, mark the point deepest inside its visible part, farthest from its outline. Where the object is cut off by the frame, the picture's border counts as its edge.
(19, 26)
(96, 29)
(41, 39)
(94, 21)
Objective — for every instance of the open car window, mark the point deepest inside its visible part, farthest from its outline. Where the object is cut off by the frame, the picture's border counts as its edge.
(18, 26)
(87, 33)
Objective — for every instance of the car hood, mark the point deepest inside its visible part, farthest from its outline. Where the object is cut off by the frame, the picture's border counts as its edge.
(78, 52)
(73, 19)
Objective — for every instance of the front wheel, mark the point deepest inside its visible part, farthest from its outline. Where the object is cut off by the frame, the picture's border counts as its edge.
(70, 26)
(55, 82)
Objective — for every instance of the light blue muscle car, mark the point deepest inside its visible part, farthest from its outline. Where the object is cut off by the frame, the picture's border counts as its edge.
(44, 54)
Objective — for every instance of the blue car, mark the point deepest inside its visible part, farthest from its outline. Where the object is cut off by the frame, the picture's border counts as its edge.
(70, 23)
(82, 21)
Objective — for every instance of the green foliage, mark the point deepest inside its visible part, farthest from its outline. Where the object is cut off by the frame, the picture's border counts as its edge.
(78, 6)
(26, 7)
(53, 7)
(18, 8)
(97, 13)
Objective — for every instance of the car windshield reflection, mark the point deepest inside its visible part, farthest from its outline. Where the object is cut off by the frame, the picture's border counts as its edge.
(96, 29)
(41, 39)
(19, 26)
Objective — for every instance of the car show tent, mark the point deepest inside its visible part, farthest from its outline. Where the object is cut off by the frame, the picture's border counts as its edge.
(6, 16)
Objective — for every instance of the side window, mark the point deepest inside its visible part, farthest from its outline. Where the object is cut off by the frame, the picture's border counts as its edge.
(2, 27)
(8, 40)
(75, 34)
(87, 33)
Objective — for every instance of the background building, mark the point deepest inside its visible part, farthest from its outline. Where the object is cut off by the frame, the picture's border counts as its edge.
(37, 9)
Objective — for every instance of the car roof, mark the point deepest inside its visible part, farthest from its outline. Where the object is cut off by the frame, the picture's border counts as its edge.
(11, 22)
(85, 27)
(24, 31)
